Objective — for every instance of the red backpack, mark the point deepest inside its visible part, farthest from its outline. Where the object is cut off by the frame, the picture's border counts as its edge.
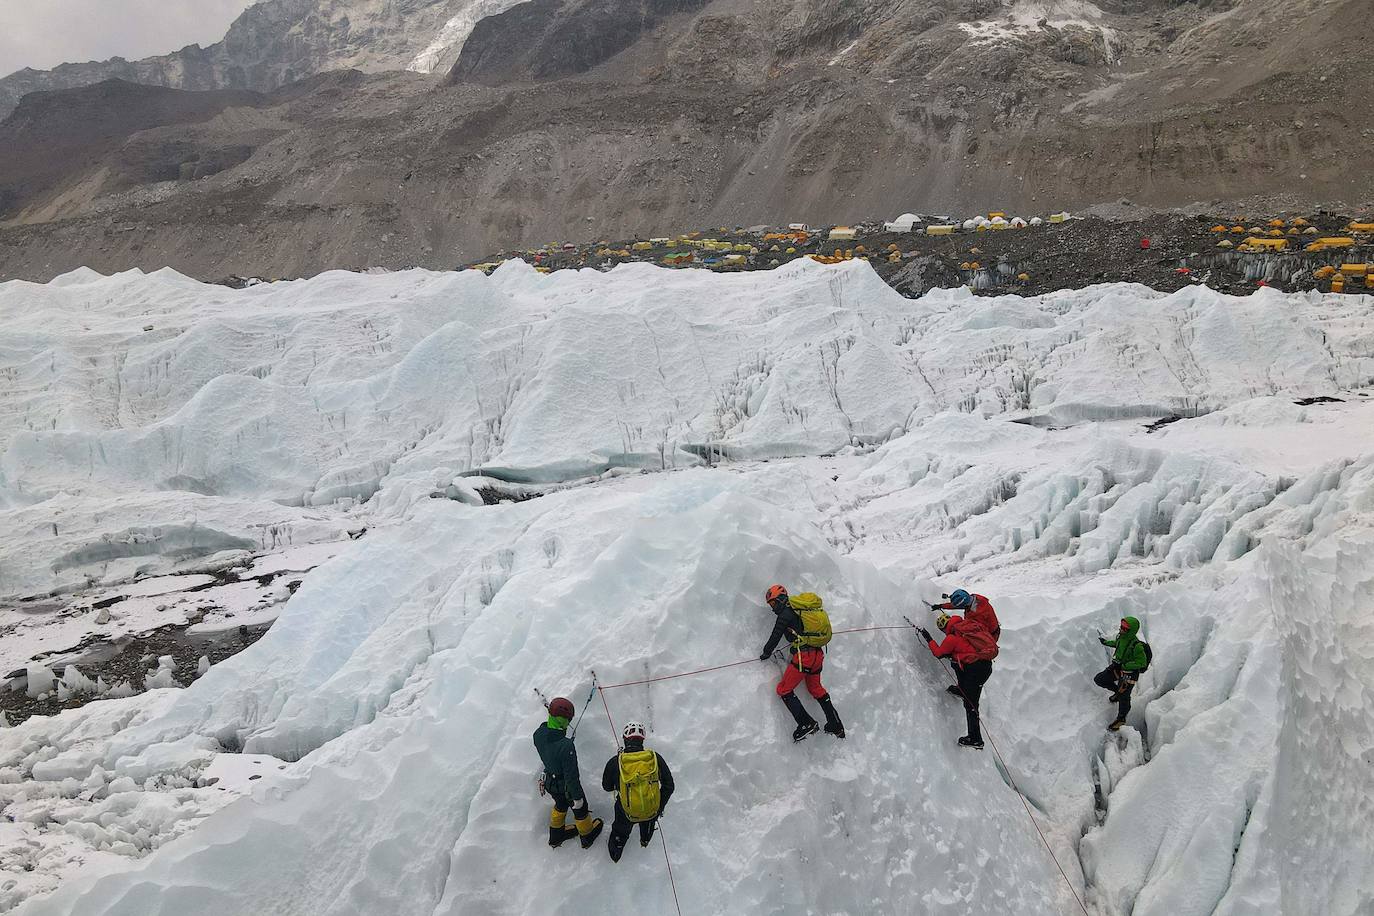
(977, 636)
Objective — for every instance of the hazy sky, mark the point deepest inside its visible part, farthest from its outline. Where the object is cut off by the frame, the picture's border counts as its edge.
(44, 33)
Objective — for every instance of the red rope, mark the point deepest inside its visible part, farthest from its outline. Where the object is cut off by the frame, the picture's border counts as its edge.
(747, 661)
(669, 677)
(615, 736)
(900, 626)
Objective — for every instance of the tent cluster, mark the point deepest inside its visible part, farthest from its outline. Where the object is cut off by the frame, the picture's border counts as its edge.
(757, 247)
(994, 220)
(1280, 236)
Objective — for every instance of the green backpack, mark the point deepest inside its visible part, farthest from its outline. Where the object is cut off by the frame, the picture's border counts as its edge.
(816, 630)
(639, 785)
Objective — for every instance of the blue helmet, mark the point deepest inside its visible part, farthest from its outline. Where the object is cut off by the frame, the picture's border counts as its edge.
(960, 598)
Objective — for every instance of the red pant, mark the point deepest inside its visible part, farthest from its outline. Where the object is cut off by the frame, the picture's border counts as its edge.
(805, 666)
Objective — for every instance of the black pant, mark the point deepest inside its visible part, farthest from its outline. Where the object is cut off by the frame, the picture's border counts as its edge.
(561, 802)
(972, 677)
(1117, 681)
(620, 830)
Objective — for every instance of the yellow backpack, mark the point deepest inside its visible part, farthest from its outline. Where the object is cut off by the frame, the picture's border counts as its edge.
(816, 630)
(639, 785)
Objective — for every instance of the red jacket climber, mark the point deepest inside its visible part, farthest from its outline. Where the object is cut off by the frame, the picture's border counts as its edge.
(973, 649)
(975, 607)
(966, 640)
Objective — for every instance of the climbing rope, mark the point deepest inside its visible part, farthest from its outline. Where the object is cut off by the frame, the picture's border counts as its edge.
(585, 704)
(1025, 804)
(747, 661)
(666, 861)
(601, 689)
(669, 677)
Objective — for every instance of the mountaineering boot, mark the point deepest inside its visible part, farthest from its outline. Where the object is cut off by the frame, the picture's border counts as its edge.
(558, 832)
(805, 724)
(955, 691)
(833, 725)
(589, 828)
(1116, 726)
(975, 743)
(615, 846)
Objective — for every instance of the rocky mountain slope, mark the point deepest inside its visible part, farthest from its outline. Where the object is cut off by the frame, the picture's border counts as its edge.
(601, 118)
(276, 42)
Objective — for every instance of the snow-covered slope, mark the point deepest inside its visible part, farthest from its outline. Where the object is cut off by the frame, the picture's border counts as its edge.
(805, 426)
(274, 43)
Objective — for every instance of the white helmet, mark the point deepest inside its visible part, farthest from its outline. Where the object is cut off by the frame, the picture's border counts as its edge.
(634, 730)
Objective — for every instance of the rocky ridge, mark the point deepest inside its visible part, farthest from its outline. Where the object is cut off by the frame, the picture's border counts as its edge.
(277, 42)
(576, 119)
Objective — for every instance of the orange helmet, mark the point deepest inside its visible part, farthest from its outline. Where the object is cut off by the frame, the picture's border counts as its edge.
(774, 593)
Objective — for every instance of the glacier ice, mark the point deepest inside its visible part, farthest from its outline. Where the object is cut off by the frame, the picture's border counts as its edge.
(672, 442)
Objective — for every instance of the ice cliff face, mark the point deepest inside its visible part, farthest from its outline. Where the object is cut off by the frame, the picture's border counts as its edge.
(276, 42)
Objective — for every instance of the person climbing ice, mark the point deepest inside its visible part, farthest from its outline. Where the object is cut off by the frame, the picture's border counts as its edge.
(562, 781)
(1131, 657)
(806, 625)
(642, 784)
(976, 608)
(972, 649)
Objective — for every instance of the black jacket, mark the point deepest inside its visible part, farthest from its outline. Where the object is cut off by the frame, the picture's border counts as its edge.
(610, 779)
(559, 755)
(788, 624)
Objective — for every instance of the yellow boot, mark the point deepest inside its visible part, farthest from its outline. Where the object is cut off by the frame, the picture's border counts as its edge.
(557, 831)
(589, 828)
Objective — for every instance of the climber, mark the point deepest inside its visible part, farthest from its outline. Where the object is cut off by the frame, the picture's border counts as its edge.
(561, 780)
(807, 627)
(1129, 661)
(973, 650)
(642, 784)
(976, 608)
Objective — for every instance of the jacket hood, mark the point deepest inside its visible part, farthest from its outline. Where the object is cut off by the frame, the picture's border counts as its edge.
(1132, 626)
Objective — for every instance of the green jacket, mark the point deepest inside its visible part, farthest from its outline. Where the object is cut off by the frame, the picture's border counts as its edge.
(1130, 652)
(556, 750)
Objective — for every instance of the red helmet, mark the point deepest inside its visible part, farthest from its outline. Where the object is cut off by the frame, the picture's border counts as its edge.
(561, 707)
(774, 593)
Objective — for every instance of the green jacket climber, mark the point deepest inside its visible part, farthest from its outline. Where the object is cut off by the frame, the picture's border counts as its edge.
(562, 781)
(1130, 652)
(559, 756)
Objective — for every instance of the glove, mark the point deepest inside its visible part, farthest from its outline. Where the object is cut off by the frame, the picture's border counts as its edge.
(765, 656)
(925, 634)
(936, 607)
(1102, 639)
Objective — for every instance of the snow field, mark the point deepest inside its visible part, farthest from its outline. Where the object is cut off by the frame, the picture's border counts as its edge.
(678, 559)
(860, 446)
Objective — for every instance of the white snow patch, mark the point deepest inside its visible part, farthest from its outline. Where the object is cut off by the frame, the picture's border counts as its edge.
(448, 44)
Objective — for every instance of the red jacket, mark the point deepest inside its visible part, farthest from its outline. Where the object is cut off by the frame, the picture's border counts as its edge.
(961, 637)
(982, 613)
